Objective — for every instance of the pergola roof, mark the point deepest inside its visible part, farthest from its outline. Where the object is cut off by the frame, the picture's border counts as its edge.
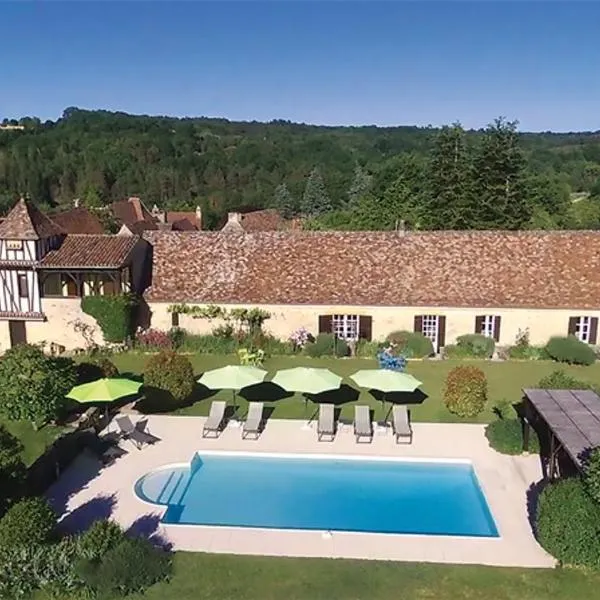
(573, 417)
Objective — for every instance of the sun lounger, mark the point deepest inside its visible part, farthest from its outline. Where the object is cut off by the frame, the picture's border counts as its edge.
(363, 427)
(254, 421)
(135, 433)
(214, 424)
(401, 424)
(326, 425)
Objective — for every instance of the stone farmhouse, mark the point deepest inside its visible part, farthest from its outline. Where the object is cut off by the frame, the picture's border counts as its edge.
(356, 284)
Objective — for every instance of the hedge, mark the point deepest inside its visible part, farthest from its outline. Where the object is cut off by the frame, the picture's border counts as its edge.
(114, 315)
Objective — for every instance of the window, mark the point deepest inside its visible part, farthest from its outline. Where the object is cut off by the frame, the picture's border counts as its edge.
(430, 328)
(23, 289)
(174, 319)
(433, 327)
(488, 325)
(345, 327)
(14, 245)
(585, 329)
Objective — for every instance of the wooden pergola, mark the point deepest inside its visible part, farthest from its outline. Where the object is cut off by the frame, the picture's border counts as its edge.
(572, 418)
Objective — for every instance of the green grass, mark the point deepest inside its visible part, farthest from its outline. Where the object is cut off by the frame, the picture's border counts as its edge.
(34, 442)
(505, 382)
(222, 577)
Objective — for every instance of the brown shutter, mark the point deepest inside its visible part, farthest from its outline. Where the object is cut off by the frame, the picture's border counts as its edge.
(573, 325)
(593, 330)
(478, 324)
(418, 328)
(324, 323)
(174, 319)
(496, 329)
(365, 327)
(441, 332)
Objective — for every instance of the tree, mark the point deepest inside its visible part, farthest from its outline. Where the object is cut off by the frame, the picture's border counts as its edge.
(446, 202)
(315, 200)
(32, 385)
(284, 202)
(498, 198)
(12, 469)
(360, 187)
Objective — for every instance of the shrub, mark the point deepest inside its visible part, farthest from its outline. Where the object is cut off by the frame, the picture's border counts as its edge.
(478, 346)
(177, 335)
(131, 566)
(411, 344)
(32, 385)
(388, 360)
(300, 338)
(523, 350)
(101, 537)
(30, 521)
(570, 350)
(367, 349)
(153, 339)
(326, 344)
(12, 469)
(269, 344)
(96, 369)
(568, 523)
(252, 358)
(559, 380)
(223, 331)
(170, 372)
(592, 474)
(506, 436)
(453, 351)
(115, 315)
(208, 344)
(466, 391)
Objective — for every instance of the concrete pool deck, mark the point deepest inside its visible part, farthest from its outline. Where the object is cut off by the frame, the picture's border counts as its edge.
(85, 491)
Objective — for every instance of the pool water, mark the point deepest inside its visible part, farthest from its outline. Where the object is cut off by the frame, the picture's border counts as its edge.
(324, 494)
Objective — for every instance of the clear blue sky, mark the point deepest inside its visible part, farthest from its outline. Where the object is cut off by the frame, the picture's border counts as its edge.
(384, 63)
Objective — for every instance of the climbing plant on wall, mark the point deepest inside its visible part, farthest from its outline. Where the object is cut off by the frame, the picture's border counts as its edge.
(114, 314)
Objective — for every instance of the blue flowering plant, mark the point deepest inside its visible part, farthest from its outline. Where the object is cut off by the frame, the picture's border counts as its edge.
(389, 358)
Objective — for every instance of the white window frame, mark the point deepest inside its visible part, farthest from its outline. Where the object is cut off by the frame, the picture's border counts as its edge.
(430, 327)
(345, 327)
(583, 329)
(488, 326)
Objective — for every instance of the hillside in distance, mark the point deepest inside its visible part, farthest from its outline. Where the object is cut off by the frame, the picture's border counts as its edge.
(221, 165)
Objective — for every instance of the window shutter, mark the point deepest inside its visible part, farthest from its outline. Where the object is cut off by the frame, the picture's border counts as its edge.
(324, 323)
(174, 319)
(573, 325)
(418, 324)
(593, 330)
(365, 327)
(478, 324)
(496, 329)
(441, 332)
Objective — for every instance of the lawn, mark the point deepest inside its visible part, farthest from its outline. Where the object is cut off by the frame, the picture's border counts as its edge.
(505, 382)
(34, 442)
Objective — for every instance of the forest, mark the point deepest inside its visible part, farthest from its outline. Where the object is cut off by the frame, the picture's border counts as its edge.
(337, 177)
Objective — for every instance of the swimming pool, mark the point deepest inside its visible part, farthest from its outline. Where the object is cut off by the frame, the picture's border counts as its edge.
(328, 494)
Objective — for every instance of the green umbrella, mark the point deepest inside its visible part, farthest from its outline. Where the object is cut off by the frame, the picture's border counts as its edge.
(104, 390)
(232, 377)
(386, 380)
(307, 380)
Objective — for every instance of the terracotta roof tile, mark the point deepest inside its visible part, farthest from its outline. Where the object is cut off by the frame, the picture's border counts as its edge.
(78, 220)
(475, 269)
(176, 218)
(266, 220)
(130, 211)
(26, 222)
(91, 251)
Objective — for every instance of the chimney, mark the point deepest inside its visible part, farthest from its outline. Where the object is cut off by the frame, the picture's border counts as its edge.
(76, 203)
(401, 227)
(198, 218)
(160, 216)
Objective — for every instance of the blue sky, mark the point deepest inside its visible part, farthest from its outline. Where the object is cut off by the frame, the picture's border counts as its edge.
(384, 63)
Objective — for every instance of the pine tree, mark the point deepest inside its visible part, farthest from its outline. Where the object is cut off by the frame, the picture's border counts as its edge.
(361, 185)
(447, 188)
(498, 195)
(284, 201)
(315, 200)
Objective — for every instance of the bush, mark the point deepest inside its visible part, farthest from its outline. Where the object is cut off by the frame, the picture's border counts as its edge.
(592, 474)
(115, 315)
(411, 344)
(324, 346)
(208, 344)
(153, 339)
(32, 385)
(170, 372)
(559, 380)
(570, 350)
(30, 521)
(506, 436)
(101, 537)
(528, 353)
(466, 391)
(478, 346)
(177, 335)
(130, 567)
(568, 523)
(367, 349)
(12, 469)
(453, 351)
(96, 369)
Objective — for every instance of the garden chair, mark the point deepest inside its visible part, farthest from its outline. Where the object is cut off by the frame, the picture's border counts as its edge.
(401, 424)
(363, 428)
(214, 424)
(326, 425)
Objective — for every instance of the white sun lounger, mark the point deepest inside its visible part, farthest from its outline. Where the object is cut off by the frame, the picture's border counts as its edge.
(401, 424)
(254, 420)
(214, 424)
(326, 425)
(363, 427)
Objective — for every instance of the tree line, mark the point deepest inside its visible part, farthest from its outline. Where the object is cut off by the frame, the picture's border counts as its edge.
(341, 177)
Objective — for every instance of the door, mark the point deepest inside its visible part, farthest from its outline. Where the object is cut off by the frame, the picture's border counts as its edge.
(18, 333)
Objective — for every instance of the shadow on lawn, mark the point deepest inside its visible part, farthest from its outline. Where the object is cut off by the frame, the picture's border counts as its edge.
(157, 400)
(416, 397)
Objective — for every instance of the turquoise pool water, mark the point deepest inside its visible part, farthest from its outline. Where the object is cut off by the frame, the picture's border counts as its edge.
(324, 494)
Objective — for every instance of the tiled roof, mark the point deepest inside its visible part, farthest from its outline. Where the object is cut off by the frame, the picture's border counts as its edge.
(470, 269)
(138, 227)
(91, 251)
(130, 211)
(183, 220)
(26, 222)
(78, 220)
(267, 220)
